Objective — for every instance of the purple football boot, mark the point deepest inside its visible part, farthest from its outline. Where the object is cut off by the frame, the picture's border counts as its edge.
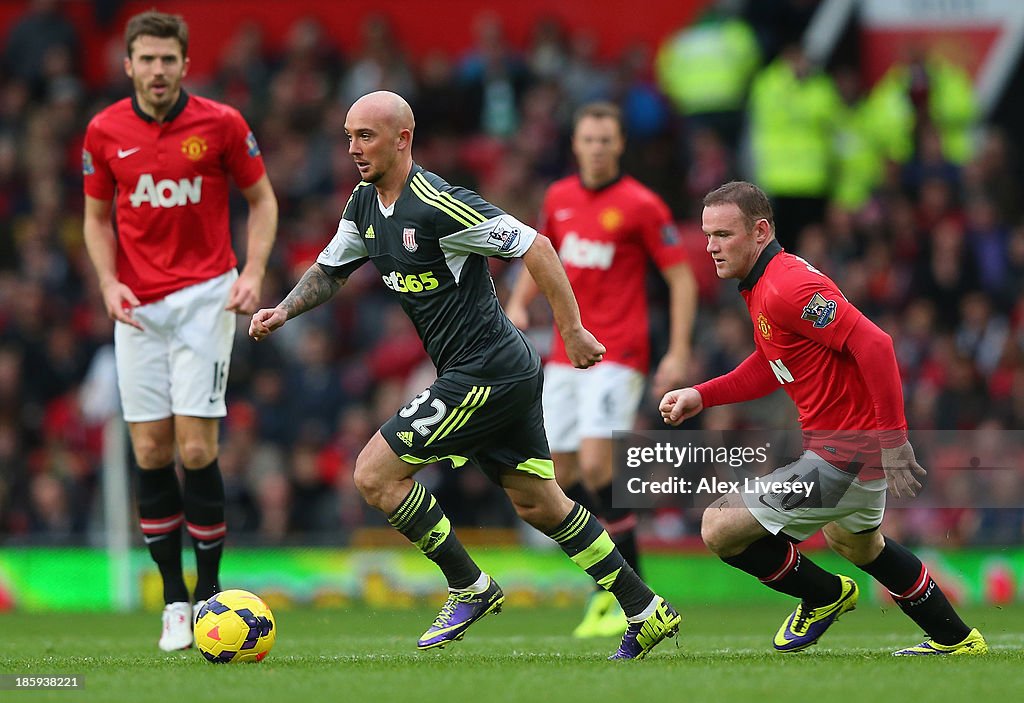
(461, 610)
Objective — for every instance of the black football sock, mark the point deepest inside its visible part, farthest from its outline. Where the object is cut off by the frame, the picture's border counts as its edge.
(204, 518)
(778, 564)
(916, 593)
(621, 526)
(581, 536)
(423, 523)
(161, 517)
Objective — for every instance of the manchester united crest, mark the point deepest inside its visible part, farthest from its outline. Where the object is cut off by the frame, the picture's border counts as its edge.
(409, 239)
(194, 147)
(763, 326)
(610, 218)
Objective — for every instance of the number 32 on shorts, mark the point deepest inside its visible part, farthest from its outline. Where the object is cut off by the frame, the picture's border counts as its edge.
(424, 424)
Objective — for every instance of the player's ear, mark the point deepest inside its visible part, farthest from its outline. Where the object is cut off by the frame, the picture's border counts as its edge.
(404, 139)
(762, 230)
(184, 68)
(128, 67)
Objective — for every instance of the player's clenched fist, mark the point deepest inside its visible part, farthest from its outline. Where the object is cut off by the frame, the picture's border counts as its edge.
(266, 321)
(582, 348)
(680, 404)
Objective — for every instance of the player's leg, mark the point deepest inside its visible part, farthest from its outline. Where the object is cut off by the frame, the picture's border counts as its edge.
(143, 374)
(161, 516)
(757, 532)
(912, 587)
(601, 603)
(197, 439)
(431, 428)
(610, 395)
(522, 465)
(540, 502)
(563, 406)
(200, 357)
(385, 482)
(604, 617)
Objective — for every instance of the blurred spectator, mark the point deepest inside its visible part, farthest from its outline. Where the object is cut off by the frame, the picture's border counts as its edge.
(584, 80)
(307, 70)
(925, 92)
(860, 161)
(794, 108)
(982, 333)
(34, 41)
(946, 272)
(548, 55)
(706, 68)
(495, 79)
(243, 75)
(987, 236)
(380, 65)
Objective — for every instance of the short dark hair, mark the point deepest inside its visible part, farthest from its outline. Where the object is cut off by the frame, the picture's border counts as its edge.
(601, 110)
(156, 24)
(751, 200)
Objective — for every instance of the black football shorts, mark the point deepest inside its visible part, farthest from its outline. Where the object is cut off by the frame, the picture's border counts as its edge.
(497, 426)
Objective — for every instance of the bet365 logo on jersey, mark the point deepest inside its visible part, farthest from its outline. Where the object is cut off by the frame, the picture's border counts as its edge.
(410, 282)
(165, 192)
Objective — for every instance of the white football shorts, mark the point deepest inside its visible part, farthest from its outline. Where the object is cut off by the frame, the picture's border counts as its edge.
(179, 365)
(589, 403)
(838, 496)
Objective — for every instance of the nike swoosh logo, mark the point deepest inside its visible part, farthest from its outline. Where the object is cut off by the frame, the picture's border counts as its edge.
(121, 153)
(149, 539)
(563, 214)
(209, 545)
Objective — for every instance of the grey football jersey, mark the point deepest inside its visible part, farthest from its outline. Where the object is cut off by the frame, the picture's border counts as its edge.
(431, 248)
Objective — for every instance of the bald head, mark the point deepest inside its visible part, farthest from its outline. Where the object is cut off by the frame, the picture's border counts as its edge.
(384, 107)
(379, 127)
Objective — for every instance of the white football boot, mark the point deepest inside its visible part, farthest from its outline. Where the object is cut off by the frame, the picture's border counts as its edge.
(177, 627)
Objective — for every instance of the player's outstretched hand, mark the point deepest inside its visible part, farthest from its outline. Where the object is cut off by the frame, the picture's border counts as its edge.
(680, 404)
(582, 348)
(119, 301)
(902, 470)
(266, 321)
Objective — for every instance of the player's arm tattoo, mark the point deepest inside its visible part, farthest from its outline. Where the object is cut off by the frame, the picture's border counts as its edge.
(316, 286)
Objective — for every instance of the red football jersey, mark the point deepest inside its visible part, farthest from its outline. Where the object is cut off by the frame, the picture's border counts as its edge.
(801, 325)
(171, 184)
(604, 238)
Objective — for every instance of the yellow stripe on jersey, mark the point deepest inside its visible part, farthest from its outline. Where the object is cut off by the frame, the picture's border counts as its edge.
(447, 199)
(470, 411)
(474, 399)
(456, 209)
(435, 201)
(456, 413)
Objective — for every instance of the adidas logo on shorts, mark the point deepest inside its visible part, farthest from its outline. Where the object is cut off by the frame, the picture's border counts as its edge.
(405, 437)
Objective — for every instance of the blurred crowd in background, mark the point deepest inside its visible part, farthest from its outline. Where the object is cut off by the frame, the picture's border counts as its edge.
(901, 193)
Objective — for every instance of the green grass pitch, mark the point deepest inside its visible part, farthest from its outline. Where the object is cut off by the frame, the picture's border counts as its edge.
(723, 654)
